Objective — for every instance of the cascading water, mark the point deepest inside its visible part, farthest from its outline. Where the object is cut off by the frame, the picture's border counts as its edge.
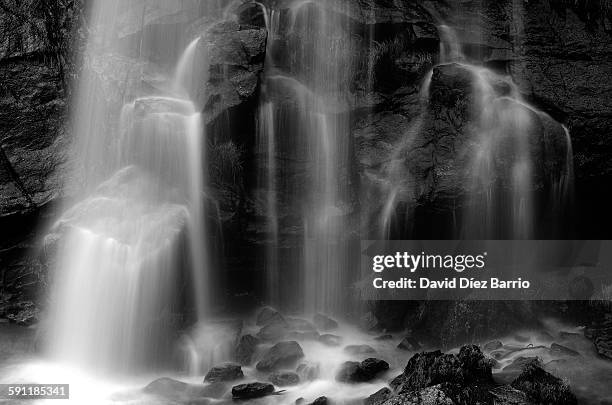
(504, 130)
(501, 171)
(313, 82)
(116, 279)
(267, 175)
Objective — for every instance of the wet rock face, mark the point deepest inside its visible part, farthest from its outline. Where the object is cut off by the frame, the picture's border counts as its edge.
(35, 70)
(441, 157)
(236, 54)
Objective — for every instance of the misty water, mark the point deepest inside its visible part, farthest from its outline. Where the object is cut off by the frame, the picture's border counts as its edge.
(135, 248)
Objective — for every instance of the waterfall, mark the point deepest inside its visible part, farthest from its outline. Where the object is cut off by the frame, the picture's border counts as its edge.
(267, 173)
(501, 172)
(118, 278)
(503, 127)
(303, 115)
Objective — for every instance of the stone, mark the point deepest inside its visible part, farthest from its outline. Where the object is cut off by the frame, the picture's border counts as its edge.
(268, 315)
(321, 401)
(543, 387)
(224, 372)
(410, 344)
(245, 349)
(282, 354)
(378, 397)
(367, 370)
(284, 378)
(273, 331)
(252, 390)
(330, 340)
(358, 350)
(324, 323)
(467, 369)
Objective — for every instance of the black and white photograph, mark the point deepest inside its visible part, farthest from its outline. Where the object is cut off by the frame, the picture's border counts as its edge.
(306, 202)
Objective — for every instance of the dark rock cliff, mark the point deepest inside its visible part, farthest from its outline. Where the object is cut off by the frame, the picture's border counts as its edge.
(36, 67)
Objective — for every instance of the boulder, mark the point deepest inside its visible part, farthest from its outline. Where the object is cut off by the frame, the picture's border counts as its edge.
(284, 378)
(282, 354)
(245, 349)
(330, 340)
(273, 332)
(467, 374)
(367, 370)
(252, 390)
(543, 387)
(324, 323)
(321, 401)
(224, 372)
(358, 350)
(268, 315)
